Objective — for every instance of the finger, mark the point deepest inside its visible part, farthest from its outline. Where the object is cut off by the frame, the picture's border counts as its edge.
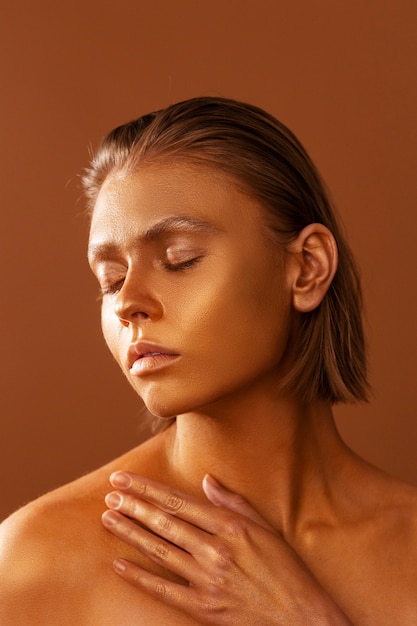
(207, 549)
(200, 513)
(220, 496)
(176, 531)
(157, 549)
(183, 597)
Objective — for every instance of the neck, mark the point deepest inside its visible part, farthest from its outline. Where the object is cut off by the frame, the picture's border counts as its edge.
(278, 455)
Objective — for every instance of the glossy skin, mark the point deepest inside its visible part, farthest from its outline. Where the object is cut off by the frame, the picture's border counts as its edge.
(320, 537)
(209, 287)
(232, 564)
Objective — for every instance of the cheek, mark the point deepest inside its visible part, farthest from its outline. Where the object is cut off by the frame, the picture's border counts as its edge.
(244, 311)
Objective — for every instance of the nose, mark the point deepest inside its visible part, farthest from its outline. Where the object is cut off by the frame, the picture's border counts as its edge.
(135, 303)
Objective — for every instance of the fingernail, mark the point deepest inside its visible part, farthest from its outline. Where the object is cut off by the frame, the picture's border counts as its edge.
(212, 481)
(109, 519)
(120, 480)
(213, 490)
(119, 566)
(113, 500)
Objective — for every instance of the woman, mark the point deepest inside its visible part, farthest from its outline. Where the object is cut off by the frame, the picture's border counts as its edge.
(231, 302)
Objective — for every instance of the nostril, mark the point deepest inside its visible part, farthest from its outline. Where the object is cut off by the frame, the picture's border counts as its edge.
(140, 315)
(127, 319)
(134, 307)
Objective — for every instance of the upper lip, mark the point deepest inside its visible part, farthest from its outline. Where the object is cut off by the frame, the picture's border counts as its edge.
(138, 350)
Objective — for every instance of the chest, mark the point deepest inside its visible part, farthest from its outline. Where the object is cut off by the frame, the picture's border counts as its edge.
(117, 602)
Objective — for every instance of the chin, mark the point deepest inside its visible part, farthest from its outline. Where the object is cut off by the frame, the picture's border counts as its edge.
(163, 413)
(168, 399)
(160, 408)
(166, 407)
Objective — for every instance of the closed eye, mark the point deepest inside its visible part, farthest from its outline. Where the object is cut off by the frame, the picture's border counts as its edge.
(184, 265)
(110, 290)
(115, 287)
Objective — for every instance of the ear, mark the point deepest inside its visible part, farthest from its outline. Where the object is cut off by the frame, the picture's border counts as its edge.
(314, 262)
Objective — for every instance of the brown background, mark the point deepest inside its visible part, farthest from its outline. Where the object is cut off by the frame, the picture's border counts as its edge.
(341, 74)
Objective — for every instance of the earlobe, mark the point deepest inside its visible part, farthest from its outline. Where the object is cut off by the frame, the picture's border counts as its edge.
(314, 266)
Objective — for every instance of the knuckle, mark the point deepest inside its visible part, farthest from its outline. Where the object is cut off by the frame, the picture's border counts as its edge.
(221, 555)
(130, 530)
(238, 501)
(212, 609)
(235, 529)
(174, 502)
(160, 551)
(161, 589)
(141, 489)
(216, 585)
(164, 522)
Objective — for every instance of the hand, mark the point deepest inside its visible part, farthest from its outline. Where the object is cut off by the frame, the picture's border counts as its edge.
(238, 568)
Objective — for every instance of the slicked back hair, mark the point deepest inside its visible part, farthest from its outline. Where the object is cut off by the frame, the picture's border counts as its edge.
(269, 162)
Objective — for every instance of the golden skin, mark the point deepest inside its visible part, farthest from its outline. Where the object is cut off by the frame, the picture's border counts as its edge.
(231, 318)
(211, 288)
(234, 312)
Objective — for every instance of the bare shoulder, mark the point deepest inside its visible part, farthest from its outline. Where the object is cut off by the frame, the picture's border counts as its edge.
(389, 553)
(55, 555)
(394, 503)
(366, 557)
(383, 510)
(38, 551)
(398, 512)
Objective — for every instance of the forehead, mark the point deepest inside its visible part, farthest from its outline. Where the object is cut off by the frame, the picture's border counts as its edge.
(128, 203)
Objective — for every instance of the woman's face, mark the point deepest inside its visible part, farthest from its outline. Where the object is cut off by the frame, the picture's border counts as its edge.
(196, 303)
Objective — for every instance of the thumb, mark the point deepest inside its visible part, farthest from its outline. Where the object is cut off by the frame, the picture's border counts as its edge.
(220, 496)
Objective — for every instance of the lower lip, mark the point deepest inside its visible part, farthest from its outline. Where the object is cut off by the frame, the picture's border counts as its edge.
(149, 364)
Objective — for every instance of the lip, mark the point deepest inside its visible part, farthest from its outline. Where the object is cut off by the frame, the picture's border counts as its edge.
(147, 356)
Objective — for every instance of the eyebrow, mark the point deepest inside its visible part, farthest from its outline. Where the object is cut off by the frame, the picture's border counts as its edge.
(175, 223)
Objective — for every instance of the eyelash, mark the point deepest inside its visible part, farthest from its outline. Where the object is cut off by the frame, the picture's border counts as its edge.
(185, 265)
(110, 290)
(170, 267)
